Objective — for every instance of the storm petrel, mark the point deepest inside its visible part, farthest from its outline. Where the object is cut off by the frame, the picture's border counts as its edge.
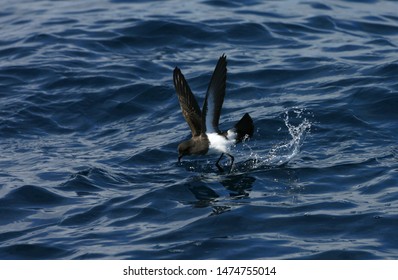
(207, 138)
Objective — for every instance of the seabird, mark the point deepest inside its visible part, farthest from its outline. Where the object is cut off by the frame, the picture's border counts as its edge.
(207, 138)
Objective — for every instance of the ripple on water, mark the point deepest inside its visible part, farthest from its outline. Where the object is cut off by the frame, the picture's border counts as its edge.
(90, 123)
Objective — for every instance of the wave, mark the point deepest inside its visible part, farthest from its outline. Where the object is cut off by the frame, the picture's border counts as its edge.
(90, 123)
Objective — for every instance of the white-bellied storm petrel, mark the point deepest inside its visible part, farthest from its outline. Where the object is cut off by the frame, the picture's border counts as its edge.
(206, 136)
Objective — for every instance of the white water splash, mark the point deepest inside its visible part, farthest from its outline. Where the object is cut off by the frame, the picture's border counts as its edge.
(283, 153)
(298, 126)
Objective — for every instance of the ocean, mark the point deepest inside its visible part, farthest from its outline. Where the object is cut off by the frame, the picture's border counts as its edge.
(90, 124)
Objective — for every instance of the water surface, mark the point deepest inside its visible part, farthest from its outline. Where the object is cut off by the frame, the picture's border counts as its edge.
(90, 123)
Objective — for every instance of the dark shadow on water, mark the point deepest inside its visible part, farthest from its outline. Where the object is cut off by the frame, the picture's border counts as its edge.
(210, 187)
(203, 194)
(238, 185)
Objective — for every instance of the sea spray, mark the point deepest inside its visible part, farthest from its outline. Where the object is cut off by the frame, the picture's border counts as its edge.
(298, 124)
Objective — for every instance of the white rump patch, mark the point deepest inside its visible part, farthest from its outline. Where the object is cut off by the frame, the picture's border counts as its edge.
(220, 144)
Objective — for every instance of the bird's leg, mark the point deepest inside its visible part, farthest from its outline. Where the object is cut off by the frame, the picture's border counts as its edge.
(218, 165)
(232, 162)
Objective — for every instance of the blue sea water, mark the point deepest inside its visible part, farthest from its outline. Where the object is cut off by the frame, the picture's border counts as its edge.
(90, 123)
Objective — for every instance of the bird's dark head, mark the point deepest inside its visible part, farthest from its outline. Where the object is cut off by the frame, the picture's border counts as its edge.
(184, 149)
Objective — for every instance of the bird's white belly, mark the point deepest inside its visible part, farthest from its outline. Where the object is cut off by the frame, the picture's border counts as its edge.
(220, 144)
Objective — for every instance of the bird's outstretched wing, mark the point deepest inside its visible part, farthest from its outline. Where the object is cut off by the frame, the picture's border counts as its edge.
(215, 97)
(189, 106)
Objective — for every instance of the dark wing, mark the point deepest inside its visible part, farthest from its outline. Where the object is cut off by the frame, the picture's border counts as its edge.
(189, 107)
(215, 97)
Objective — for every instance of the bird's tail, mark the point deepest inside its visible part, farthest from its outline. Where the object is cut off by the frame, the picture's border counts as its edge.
(244, 128)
